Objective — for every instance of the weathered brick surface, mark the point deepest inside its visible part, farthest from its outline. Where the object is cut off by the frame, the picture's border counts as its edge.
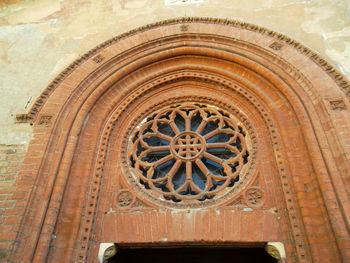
(12, 199)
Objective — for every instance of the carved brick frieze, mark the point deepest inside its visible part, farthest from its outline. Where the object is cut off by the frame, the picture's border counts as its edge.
(328, 68)
(337, 104)
(276, 46)
(98, 59)
(45, 120)
(184, 28)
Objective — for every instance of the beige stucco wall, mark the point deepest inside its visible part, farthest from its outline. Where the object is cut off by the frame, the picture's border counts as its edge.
(39, 38)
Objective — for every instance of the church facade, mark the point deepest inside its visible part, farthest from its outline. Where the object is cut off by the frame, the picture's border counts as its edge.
(191, 131)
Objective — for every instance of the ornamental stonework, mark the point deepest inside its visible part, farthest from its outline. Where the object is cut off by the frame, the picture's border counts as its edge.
(254, 196)
(125, 199)
(188, 154)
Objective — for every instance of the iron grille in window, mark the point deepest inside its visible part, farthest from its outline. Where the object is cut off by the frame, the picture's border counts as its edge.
(188, 151)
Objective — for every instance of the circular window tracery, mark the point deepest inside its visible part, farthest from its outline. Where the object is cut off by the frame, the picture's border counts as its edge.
(188, 152)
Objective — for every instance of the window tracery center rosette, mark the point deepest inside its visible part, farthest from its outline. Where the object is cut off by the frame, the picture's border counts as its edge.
(188, 152)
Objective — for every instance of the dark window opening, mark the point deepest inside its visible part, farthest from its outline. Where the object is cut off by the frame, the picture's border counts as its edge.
(192, 254)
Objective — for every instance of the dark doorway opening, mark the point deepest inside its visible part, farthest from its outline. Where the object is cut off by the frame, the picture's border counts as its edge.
(192, 254)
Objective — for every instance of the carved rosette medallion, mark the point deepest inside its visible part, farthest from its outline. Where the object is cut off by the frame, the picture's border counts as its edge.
(125, 199)
(254, 196)
(188, 154)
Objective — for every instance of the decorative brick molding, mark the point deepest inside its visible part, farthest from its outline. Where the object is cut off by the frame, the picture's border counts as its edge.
(276, 46)
(255, 197)
(184, 28)
(125, 199)
(23, 118)
(327, 67)
(45, 120)
(337, 105)
(98, 59)
(290, 192)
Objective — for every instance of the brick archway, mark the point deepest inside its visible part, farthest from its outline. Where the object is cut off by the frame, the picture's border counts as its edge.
(285, 96)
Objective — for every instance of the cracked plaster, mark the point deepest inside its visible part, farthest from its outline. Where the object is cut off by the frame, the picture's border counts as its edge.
(39, 38)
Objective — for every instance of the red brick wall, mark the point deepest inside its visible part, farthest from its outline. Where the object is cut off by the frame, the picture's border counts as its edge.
(12, 198)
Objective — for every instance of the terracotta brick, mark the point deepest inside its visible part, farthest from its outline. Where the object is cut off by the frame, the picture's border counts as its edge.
(148, 230)
(7, 204)
(169, 227)
(228, 225)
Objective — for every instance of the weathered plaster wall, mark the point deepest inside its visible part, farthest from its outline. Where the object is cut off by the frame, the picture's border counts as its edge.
(39, 38)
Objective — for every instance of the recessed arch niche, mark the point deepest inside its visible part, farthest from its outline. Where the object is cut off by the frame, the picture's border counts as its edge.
(279, 92)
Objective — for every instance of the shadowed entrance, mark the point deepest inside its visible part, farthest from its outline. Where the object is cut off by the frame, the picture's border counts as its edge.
(192, 254)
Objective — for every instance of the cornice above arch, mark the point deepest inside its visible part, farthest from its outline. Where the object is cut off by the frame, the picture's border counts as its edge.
(267, 39)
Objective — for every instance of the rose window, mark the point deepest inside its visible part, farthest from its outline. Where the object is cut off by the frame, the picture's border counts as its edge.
(188, 151)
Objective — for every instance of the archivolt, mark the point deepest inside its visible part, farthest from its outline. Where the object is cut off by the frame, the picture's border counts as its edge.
(268, 71)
